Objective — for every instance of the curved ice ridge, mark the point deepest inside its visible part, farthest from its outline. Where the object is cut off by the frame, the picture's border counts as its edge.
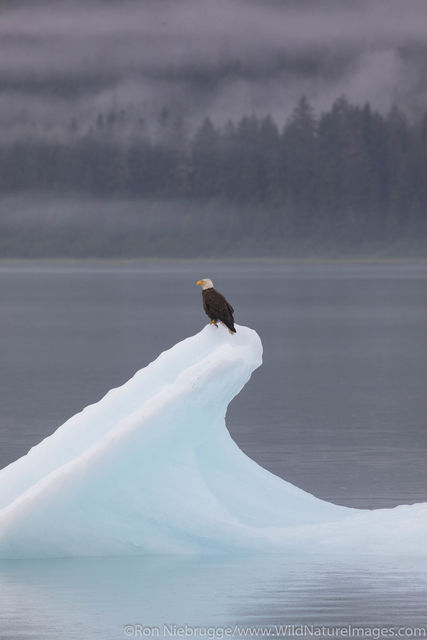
(151, 468)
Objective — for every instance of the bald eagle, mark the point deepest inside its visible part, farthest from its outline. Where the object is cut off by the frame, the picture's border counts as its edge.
(216, 306)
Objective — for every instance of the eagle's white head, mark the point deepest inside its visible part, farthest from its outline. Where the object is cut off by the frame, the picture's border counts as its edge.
(205, 283)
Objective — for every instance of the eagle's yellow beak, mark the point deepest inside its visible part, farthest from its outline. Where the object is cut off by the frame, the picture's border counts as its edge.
(199, 282)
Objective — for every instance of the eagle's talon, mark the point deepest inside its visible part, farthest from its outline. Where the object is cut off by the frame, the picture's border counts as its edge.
(214, 322)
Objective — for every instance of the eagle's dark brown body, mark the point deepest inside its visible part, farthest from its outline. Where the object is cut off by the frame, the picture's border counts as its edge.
(217, 308)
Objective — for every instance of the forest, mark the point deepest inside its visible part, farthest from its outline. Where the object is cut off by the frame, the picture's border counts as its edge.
(348, 179)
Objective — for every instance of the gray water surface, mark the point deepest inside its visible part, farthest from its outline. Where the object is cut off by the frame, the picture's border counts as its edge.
(338, 408)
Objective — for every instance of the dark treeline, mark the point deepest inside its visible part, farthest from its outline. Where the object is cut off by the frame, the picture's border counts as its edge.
(348, 177)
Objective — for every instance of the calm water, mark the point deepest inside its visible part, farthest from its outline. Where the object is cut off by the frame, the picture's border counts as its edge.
(338, 408)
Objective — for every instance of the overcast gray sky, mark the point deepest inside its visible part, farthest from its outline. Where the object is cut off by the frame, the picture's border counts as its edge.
(206, 57)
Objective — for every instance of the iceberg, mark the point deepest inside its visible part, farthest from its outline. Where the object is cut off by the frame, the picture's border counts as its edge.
(152, 469)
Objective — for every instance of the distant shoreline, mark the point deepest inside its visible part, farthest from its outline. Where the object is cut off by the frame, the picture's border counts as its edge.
(225, 260)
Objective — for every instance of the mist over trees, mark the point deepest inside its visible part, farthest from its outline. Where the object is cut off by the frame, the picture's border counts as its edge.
(350, 177)
(105, 148)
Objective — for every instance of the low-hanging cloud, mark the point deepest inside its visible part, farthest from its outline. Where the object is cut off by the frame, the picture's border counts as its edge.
(67, 60)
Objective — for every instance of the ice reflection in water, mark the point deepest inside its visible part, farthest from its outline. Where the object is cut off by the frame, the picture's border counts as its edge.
(96, 597)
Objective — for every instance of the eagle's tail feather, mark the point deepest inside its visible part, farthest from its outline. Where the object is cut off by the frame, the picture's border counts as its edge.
(230, 326)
